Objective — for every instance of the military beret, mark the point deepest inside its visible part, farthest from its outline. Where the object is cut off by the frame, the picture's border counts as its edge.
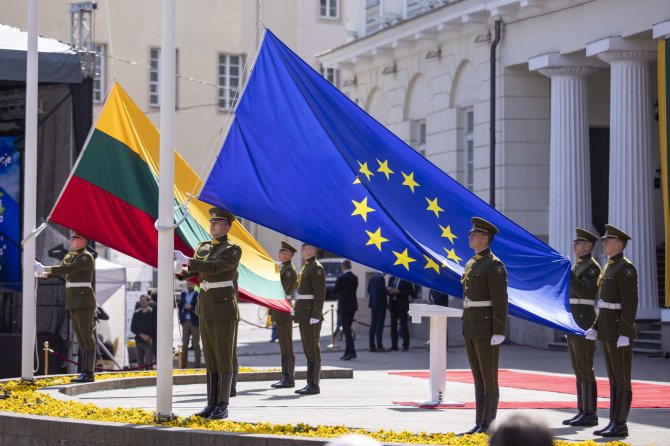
(582, 235)
(286, 246)
(613, 232)
(74, 234)
(481, 225)
(217, 214)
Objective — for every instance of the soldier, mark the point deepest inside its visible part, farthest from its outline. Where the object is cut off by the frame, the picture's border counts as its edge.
(615, 326)
(284, 321)
(583, 293)
(78, 267)
(309, 315)
(484, 320)
(216, 263)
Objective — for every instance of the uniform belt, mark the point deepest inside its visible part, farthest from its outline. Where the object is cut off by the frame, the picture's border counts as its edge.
(211, 285)
(467, 303)
(304, 296)
(582, 302)
(608, 305)
(77, 284)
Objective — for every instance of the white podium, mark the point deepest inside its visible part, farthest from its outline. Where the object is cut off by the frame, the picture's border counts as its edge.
(438, 349)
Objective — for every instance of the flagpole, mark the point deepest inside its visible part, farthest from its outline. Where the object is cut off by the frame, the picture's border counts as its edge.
(29, 199)
(166, 212)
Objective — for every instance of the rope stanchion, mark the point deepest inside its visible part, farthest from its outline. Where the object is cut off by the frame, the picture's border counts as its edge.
(333, 345)
(47, 350)
(125, 369)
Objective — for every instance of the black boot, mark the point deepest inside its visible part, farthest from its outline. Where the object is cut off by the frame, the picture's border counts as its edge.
(313, 378)
(490, 411)
(589, 417)
(613, 395)
(212, 392)
(233, 385)
(88, 367)
(82, 362)
(479, 408)
(580, 405)
(619, 428)
(221, 409)
(287, 369)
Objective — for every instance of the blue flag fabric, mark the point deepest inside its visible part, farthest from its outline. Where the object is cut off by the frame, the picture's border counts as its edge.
(304, 160)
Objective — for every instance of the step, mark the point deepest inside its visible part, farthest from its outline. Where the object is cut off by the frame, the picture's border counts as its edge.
(648, 342)
(648, 334)
(647, 351)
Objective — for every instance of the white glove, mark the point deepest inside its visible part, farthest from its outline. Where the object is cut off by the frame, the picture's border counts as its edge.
(39, 269)
(313, 321)
(591, 334)
(292, 312)
(623, 341)
(180, 257)
(178, 267)
(497, 339)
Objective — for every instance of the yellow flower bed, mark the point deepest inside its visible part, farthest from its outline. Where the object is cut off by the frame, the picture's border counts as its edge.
(24, 398)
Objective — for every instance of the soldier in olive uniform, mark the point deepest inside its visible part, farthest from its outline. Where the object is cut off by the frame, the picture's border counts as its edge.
(309, 315)
(78, 267)
(215, 262)
(583, 293)
(284, 321)
(484, 320)
(615, 327)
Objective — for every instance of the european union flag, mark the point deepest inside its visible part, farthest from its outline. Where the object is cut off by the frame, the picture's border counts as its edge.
(304, 160)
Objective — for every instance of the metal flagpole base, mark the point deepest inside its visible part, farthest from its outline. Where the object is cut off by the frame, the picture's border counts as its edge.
(437, 404)
(164, 419)
(333, 346)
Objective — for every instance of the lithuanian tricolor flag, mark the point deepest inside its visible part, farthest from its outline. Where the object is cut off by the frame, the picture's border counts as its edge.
(664, 132)
(112, 197)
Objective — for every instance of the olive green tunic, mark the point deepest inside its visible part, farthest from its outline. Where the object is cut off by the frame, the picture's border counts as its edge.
(284, 321)
(618, 284)
(79, 266)
(217, 261)
(312, 281)
(484, 278)
(583, 285)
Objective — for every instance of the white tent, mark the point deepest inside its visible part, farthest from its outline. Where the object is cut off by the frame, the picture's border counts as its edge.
(110, 292)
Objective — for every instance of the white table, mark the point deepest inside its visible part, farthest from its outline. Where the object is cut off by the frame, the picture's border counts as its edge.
(438, 349)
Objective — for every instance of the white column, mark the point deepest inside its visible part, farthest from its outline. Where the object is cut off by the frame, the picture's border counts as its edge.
(630, 175)
(569, 165)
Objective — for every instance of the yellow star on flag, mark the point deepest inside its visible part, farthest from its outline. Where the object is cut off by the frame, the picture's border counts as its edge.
(446, 232)
(403, 259)
(362, 208)
(376, 238)
(384, 168)
(357, 181)
(431, 264)
(451, 254)
(364, 169)
(409, 181)
(432, 206)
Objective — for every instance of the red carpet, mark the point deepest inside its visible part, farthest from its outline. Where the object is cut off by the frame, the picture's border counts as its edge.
(645, 395)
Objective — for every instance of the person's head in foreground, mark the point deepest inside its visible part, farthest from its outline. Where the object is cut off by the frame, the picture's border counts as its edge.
(352, 440)
(522, 430)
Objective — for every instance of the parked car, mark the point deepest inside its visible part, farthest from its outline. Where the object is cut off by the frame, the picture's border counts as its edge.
(333, 268)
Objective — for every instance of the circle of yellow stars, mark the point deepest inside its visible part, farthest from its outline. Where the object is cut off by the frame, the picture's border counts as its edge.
(376, 239)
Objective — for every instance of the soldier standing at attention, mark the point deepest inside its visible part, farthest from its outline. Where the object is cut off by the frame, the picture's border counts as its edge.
(615, 327)
(78, 267)
(583, 293)
(309, 315)
(284, 321)
(484, 320)
(215, 262)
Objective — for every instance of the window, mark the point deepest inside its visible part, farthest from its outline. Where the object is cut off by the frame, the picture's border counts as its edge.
(154, 81)
(330, 74)
(230, 69)
(469, 147)
(329, 9)
(418, 136)
(99, 74)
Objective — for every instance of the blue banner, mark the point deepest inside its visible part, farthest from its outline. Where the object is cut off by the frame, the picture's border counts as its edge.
(10, 216)
(304, 160)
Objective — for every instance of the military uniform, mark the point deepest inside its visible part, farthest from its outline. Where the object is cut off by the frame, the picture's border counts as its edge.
(78, 268)
(284, 322)
(309, 305)
(484, 315)
(215, 263)
(617, 306)
(583, 292)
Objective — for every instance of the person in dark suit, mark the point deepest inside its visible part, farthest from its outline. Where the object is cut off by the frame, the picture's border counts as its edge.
(377, 304)
(190, 325)
(399, 294)
(347, 304)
